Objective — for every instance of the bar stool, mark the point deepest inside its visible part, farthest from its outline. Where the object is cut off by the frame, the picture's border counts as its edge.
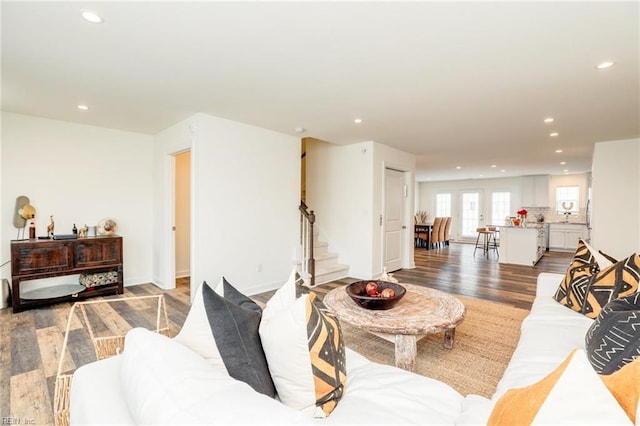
(487, 234)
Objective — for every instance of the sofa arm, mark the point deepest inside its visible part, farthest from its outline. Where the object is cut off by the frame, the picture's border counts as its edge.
(548, 284)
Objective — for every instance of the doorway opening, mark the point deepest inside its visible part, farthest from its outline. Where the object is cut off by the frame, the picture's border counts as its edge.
(182, 219)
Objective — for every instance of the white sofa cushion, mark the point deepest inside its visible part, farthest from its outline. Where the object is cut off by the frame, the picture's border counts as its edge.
(476, 410)
(380, 394)
(164, 382)
(548, 335)
(96, 396)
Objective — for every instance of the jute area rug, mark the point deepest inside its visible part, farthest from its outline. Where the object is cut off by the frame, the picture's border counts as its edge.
(484, 343)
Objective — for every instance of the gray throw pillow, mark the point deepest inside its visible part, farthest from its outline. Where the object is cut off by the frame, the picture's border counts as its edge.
(613, 339)
(234, 320)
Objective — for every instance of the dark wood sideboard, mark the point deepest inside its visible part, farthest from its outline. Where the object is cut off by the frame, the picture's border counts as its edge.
(36, 259)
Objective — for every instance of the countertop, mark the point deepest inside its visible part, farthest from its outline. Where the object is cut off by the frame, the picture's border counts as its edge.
(536, 225)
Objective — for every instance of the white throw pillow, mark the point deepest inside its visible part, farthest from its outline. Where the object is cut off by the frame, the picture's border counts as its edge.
(305, 350)
(166, 383)
(580, 397)
(196, 333)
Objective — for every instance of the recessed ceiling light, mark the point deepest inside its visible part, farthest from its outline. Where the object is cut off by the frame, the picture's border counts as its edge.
(92, 17)
(558, 151)
(605, 65)
(493, 166)
(481, 175)
(503, 171)
(458, 167)
(83, 107)
(549, 120)
(563, 163)
(300, 130)
(358, 120)
(566, 170)
(554, 134)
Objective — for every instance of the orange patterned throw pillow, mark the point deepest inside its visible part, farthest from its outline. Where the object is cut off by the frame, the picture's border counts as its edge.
(590, 284)
(578, 275)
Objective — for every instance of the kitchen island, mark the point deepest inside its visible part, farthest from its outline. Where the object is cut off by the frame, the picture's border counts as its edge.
(523, 245)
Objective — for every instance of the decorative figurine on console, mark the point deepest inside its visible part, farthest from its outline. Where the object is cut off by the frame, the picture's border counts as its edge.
(82, 232)
(50, 228)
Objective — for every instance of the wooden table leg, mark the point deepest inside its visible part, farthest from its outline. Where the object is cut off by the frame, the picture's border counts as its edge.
(406, 350)
(449, 335)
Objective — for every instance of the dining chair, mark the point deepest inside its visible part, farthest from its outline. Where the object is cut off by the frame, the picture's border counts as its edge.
(435, 232)
(447, 226)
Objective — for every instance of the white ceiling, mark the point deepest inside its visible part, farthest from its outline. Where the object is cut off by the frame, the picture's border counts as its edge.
(458, 84)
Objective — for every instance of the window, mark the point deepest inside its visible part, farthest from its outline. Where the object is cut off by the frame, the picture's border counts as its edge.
(443, 205)
(567, 199)
(500, 207)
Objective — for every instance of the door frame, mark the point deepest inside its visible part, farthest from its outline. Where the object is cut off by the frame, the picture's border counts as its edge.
(407, 260)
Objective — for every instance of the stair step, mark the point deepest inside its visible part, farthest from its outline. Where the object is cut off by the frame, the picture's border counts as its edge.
(325, 259)
(331, 273)
(320, 247)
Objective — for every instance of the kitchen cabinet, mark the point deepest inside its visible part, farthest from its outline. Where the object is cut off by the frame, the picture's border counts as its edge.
(564, 236)
(522, 246)
(534, 191)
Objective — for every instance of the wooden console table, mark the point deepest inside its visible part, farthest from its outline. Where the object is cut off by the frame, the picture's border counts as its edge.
(36, 259)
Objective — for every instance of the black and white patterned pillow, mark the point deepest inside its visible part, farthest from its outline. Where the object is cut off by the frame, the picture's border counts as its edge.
(305, 349)
(224, 331)
(613, 340)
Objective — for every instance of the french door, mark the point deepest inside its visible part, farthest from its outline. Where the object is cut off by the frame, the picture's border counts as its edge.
(471, 213)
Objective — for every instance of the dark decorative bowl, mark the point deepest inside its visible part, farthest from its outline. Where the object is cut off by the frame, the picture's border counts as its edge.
(359, 295)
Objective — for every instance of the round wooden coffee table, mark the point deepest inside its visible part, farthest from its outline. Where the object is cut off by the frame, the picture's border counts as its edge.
(420, 312)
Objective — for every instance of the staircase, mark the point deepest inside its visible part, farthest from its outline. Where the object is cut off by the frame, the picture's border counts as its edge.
(317, 262)
(327, 266)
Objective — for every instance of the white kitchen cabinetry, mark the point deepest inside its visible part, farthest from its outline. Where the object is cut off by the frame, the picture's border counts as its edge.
(522, 246)
(534, 191)
(564, 236)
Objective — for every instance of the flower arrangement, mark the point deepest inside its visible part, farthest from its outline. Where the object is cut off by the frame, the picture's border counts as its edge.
(421, 216)
(522, 212)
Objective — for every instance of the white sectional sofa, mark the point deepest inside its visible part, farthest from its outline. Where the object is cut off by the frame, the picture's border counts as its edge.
(157, 380)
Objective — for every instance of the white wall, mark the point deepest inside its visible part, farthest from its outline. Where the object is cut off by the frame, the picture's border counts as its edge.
(246, 190)
(345, 186)
(616, 199)
(79, 174)
(340, 192)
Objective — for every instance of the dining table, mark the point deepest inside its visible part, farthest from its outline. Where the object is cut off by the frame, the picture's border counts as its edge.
(423, 228)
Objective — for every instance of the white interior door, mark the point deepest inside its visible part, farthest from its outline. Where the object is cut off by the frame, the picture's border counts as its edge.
(394, 214)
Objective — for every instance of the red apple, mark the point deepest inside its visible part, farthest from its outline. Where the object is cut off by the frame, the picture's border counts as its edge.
(371, 288)
(388, 292)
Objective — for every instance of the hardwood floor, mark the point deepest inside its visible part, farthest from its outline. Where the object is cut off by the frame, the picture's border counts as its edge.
(455, 269)
(30, 341)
